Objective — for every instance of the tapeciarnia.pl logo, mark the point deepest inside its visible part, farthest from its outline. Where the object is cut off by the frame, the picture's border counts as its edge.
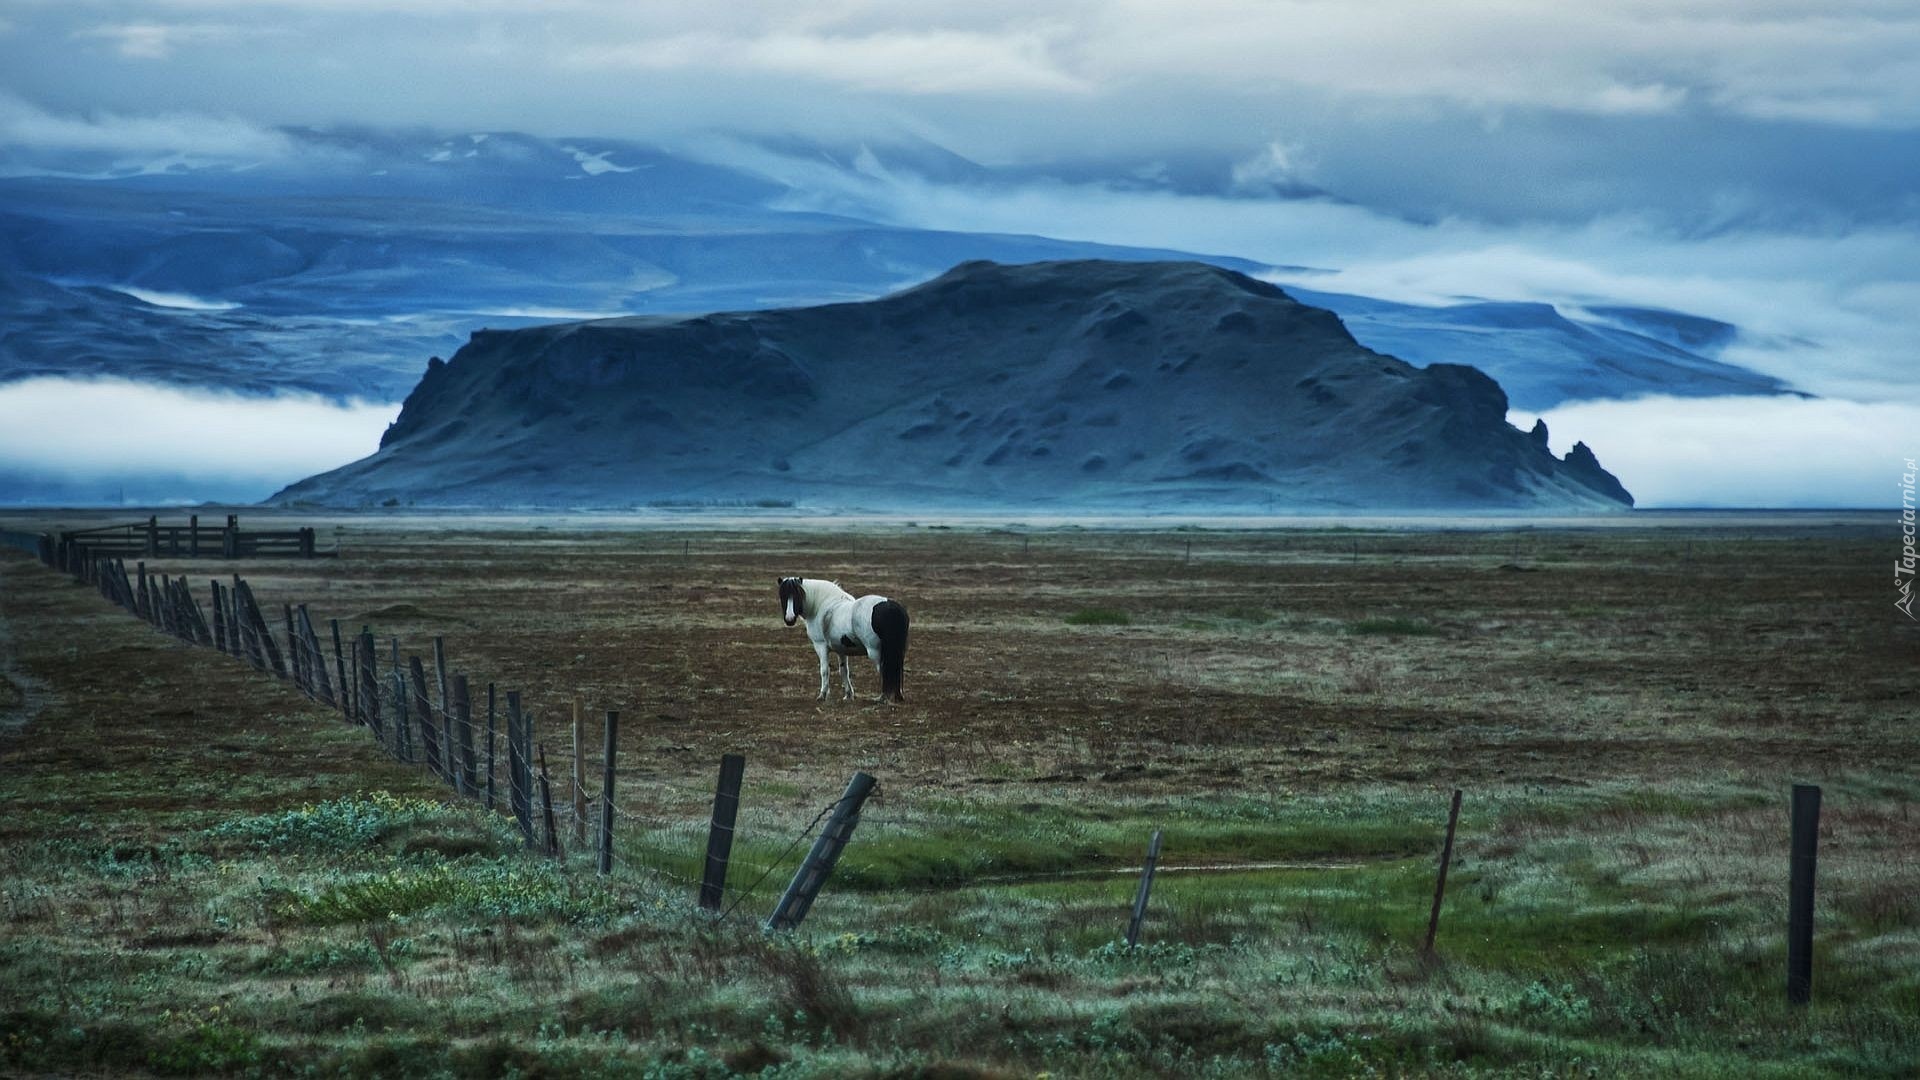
(1903, 566)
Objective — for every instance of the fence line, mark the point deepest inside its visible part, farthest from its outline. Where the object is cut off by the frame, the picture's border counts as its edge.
(672, 848)
(657, 836)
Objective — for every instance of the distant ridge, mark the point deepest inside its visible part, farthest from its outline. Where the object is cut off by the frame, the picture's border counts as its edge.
(1081, 384)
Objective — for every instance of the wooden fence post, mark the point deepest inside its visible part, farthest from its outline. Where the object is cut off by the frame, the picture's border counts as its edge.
(440, 670)
(429, 737)
(726, 809)
(153, 537)
(519, 792)
(489, 746)
(1805, 851)
(340, 669)
(401, 718)
(219, 615)
(204, 632)
(266, 636)
(296, 656)
(1440, 883)
(193, 536)
(546, 805)
(579, 789)
(402, 713)
(460, 754)
(606, 793)
(525, 777)
(1139, 915)
(807, 881)
(370, 684)
(317, 669)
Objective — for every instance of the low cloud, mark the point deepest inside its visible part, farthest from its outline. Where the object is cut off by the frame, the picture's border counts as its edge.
(24, 126)
(74, 430)
(1744, 451)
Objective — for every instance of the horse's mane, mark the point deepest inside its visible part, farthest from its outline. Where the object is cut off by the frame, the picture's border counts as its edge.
(809, 583)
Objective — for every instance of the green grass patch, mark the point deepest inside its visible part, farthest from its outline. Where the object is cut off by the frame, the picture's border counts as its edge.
(362, 822)
(507, 888)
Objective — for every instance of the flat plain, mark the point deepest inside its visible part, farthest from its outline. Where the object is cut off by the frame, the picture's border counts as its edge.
(204, 872)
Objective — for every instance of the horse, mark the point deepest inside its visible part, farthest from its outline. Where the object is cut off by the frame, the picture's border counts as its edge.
(844, 626)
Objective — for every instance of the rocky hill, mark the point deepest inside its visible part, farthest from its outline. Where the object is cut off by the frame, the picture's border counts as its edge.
(1072, 385)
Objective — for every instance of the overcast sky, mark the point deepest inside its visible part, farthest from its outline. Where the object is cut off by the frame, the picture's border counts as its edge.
(1752, 160)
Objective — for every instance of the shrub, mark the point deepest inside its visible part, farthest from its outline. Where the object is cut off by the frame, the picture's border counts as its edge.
(361, 821)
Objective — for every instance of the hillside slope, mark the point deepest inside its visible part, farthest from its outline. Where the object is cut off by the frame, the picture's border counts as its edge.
(1084, 384)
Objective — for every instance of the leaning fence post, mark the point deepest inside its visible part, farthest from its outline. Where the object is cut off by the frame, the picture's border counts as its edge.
(317, 669)
(296, 656)
(606, 794)
(1805, 844)
(519, 792)
(726, 808)
(1440, 883)
(370, 685)
(1146, 888)
(429, 739)
(806, 883)
(340, 670)
(546, 805)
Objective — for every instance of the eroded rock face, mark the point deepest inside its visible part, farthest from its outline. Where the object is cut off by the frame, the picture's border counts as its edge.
(1070, 384)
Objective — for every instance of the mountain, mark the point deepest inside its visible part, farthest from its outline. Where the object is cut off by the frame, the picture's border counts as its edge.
(1073, 384)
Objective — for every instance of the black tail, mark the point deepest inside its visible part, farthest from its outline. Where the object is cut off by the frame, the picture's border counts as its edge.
(890, 626)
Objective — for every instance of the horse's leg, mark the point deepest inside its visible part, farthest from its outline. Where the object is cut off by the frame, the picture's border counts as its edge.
(821, 648)
(846, 673)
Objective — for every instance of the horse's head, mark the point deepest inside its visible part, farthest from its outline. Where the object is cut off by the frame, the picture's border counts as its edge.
(793, 599)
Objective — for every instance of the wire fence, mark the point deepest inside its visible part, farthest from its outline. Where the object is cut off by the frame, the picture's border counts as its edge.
(659, 829)
(486, 746)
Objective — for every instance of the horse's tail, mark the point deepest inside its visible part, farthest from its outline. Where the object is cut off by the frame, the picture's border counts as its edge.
(890, 626)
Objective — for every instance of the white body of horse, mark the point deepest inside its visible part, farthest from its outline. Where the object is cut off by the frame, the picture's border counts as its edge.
(843, 625)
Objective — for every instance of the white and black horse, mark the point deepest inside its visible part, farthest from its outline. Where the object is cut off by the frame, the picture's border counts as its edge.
(841, 625)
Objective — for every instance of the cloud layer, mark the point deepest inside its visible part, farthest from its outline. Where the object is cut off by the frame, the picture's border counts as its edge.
(1756, 161)
(1745, 452)
(75, 430)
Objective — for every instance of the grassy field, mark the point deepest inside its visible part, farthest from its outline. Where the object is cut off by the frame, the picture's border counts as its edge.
(203, 872)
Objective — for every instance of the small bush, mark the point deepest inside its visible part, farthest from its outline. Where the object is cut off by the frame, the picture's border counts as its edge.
(1098, 617)
(359, 822)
